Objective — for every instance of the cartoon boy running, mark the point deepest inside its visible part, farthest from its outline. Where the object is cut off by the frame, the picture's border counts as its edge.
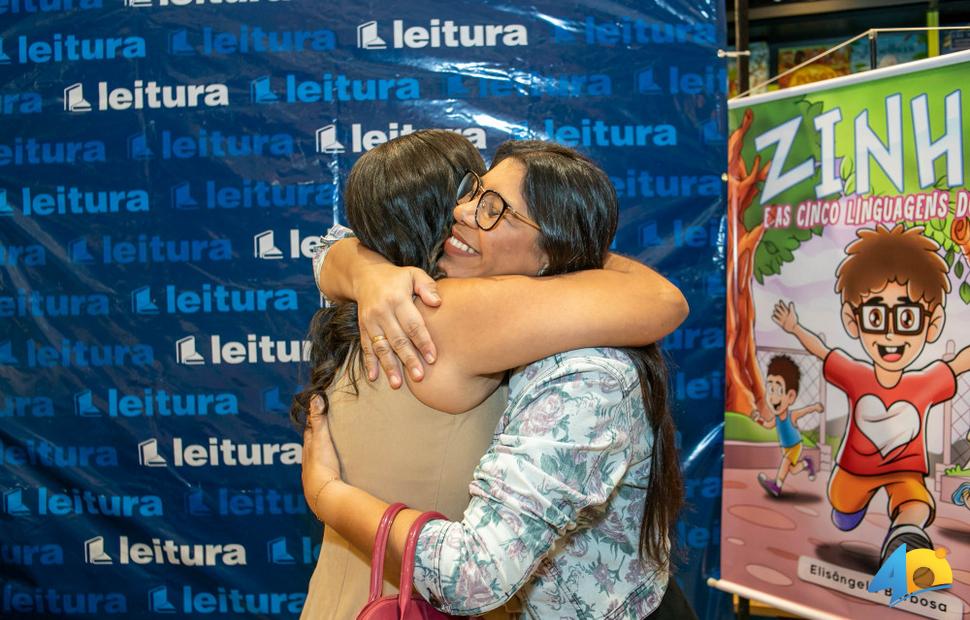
(893, 285)
(782, 387)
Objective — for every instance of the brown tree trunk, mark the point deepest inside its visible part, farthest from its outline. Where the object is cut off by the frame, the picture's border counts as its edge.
(744, 386)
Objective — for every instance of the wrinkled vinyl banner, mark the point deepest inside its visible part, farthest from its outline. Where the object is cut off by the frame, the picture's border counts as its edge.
(849, 228)
(166, 168)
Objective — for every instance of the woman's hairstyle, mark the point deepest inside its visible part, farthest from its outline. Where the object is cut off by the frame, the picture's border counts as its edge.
(571, 199)
(399, 201)
(575, 205)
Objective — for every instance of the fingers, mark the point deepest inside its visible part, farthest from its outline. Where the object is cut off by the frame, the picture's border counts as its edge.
(411, 320)
(391, 344)
(419, 340)
(316, 406)
(370, 360)
(315, 417)
(779, 313)
(387, 360)
(403, 349)
(426, 288)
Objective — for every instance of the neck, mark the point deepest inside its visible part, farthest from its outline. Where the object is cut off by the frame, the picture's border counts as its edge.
(887, 378)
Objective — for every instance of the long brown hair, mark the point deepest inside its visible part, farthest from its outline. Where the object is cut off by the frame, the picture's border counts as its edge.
(399, 200)
(575, 205)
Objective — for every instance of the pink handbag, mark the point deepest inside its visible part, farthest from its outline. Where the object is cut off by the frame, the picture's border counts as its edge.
(404, 606)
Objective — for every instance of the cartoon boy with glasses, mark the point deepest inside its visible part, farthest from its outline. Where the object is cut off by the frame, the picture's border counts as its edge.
(893, 284)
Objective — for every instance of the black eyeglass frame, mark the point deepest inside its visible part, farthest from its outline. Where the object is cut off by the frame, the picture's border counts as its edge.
(506, 207)
(892, 316)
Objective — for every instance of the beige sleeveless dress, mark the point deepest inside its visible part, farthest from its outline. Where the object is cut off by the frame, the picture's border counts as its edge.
(397, 449)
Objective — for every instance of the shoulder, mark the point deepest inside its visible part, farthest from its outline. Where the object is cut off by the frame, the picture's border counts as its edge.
(600, 366)
(937, 370)
(839, 359)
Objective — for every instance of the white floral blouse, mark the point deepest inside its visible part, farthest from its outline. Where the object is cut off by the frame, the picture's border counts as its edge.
(556, 501)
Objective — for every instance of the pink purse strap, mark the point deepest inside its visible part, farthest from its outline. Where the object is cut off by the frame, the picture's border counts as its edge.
(407, 561)
(380, 548)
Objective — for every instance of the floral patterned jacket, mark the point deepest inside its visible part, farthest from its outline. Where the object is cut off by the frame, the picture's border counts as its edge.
(556, 501)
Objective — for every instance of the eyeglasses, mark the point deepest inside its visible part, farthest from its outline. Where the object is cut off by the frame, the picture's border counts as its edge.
(907, 319)
(491, 206)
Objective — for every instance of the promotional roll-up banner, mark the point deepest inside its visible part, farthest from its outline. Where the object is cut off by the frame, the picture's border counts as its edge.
(166, 169)
(847, 412)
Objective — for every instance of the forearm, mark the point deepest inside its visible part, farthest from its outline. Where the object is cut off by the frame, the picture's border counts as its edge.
(798, 414)
(812, 343)
(961, 363)
(469, 570)
(344, 262)
(356, 514)
(471, 555)
(521, 319)
(644, 292)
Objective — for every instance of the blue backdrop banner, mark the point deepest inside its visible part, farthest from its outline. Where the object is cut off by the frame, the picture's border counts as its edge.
(165, 169)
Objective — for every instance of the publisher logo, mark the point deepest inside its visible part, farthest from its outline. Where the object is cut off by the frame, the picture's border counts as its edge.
(907, 574)
(438, 33)
(254, 350)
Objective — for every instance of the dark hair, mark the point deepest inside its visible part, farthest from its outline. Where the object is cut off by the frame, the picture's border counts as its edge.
(903, 255)
(399, 200)
(574, 203)
(786, 368)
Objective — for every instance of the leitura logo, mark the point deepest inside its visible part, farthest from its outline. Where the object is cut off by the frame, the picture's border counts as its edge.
(906, 574)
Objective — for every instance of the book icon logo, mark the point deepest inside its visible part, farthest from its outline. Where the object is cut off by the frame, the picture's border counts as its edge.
(178, 43)
(142, 302)
(327, 140)
(13, 503)
(5, 207)
(148, 454)
(78, 251)
(138, 147)
(94, 551)
(74, 100)
(277, 552)
(260, 91)
(264, 246)
(273, 402)
(367, 37)
(158, 601)
(182, 197)
(4, 59)
(195, 503)
(186, 353)
(84, 405)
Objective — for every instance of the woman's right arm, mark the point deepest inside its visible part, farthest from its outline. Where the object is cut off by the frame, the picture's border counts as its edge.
(488, 325)
(565, 437)
(568, 444)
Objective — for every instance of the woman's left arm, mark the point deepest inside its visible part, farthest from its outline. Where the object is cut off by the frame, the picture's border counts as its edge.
(565, 448)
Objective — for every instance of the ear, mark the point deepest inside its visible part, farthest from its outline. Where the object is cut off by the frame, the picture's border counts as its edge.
(937, 319)
(849, 321)
(792, 396)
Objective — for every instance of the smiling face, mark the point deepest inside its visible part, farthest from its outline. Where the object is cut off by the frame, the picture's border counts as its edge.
(510, 248)
(892, 311)
(779, 399)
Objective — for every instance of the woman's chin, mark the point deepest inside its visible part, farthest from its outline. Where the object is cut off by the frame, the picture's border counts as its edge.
(459, 266)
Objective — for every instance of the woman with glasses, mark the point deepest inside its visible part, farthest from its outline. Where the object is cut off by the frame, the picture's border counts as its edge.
(564, 482)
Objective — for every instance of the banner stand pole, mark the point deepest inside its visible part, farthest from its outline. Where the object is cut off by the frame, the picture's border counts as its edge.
(873, 49)
(779, 603)
(744, 608)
